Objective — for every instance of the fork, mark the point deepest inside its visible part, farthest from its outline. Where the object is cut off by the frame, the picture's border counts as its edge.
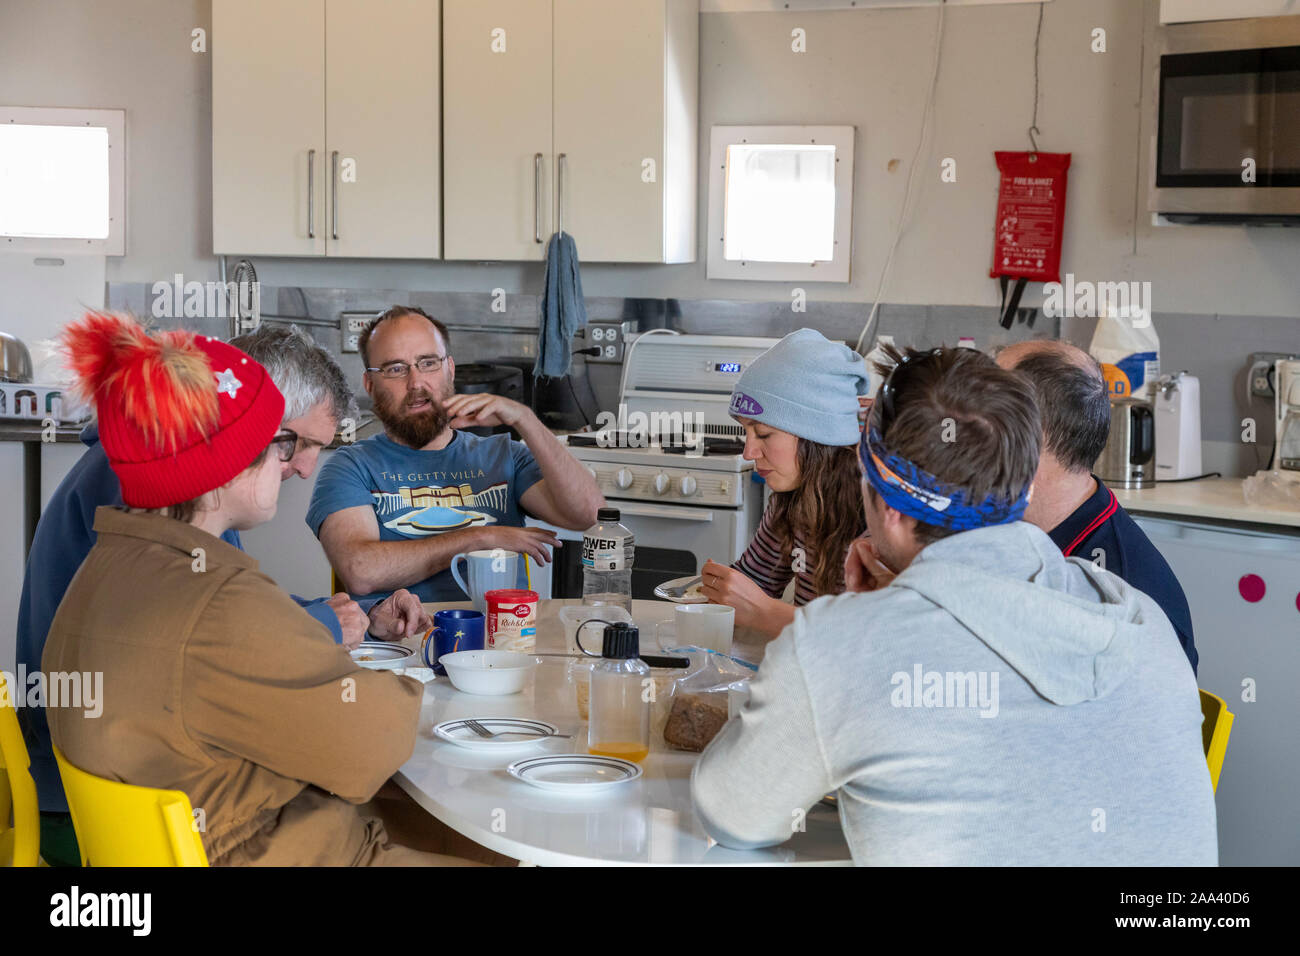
(482, 731)
(681, 589)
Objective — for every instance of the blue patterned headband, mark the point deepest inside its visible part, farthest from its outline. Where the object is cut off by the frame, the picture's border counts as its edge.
(911, 490)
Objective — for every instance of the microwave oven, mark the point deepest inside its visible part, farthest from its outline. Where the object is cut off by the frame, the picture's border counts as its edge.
(1226, 147)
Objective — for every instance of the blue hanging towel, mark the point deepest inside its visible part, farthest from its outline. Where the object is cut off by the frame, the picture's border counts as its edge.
(563, 308)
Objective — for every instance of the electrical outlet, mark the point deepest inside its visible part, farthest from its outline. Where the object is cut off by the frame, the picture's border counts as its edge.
(353, 324)
(608, 336)
(1261, 372)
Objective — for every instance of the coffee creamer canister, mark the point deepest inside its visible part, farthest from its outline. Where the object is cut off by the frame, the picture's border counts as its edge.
(512, 620)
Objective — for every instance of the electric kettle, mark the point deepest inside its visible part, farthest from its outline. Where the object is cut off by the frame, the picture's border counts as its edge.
(1129, 458)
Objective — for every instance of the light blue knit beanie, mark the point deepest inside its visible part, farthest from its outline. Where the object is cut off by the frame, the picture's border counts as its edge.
(806, 385)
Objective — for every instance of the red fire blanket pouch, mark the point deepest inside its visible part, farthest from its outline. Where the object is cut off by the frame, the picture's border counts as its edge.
(1030, 220)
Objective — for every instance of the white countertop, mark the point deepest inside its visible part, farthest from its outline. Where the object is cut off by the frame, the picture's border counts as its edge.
(648, 821)
(1219, 498)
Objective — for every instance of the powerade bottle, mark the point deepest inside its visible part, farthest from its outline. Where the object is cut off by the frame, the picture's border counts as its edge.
(607, 551)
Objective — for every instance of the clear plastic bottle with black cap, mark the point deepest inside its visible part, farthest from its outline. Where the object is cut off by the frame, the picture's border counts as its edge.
(607, 555)
(619, 721)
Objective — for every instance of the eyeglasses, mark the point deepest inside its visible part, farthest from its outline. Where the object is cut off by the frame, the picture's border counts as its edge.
(285, 444)
(889, 390)
(425, 363)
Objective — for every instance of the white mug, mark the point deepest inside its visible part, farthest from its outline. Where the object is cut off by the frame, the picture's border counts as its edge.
(485, 571)
(704, 625)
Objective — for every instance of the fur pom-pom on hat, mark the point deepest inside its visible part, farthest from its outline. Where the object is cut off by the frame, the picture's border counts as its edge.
(163, 384)
(179, 414)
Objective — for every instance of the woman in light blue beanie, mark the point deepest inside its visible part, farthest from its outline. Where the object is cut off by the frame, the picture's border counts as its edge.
(798, 402)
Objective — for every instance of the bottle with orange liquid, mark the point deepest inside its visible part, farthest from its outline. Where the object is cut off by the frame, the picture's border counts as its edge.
(619, 722)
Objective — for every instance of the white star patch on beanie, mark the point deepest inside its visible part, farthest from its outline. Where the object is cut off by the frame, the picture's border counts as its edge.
(226, 382)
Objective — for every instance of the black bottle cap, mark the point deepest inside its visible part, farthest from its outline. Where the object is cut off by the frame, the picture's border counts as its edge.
(608, 514)
(622, 641)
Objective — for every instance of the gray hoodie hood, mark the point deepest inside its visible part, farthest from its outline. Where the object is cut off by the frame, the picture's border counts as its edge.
(1067, 627)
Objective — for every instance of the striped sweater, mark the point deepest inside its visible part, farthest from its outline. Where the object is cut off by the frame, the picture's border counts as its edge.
(762, 563)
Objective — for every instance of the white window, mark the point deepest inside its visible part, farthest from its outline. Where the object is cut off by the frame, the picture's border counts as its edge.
(780, 203)
(62, 180)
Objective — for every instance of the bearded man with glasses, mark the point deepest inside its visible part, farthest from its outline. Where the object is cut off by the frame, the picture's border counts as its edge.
(393, 510)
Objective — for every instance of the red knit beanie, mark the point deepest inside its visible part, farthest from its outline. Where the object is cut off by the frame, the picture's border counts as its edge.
(179, 414)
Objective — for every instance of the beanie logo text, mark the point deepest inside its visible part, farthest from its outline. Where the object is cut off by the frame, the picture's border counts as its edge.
(742, 404)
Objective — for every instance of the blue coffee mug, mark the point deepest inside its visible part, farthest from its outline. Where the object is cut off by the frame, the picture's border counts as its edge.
(454, 630)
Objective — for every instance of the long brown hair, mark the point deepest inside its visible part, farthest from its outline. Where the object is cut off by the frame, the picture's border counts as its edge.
(824, 512)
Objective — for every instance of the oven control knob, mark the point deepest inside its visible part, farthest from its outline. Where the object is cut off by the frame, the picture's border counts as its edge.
(661, 483)
(724, 487)
(592, 472)
(623, 479)
(688, 486)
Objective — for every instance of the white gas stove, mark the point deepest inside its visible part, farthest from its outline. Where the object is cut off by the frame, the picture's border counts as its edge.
(670, 456)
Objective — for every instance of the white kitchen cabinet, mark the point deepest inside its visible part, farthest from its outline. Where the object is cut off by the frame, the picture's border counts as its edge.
(268, 127)
(1186, 11)
(498, 160)
(325, 128)
(381, 112)
(1242, 644)
(597, 100)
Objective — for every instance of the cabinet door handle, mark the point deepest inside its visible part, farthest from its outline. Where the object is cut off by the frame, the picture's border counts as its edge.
(311, 194)
(562, 166)
(537, 197)
(334, 194)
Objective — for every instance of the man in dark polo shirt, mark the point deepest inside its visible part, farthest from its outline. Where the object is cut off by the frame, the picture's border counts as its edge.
(1070, 503)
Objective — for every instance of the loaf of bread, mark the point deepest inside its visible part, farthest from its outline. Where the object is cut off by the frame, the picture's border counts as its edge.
(694, 720)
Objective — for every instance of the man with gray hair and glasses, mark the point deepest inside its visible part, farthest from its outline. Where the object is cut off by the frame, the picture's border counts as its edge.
(317, 399)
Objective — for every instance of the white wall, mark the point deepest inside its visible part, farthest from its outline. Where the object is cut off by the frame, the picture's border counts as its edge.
(865, 67)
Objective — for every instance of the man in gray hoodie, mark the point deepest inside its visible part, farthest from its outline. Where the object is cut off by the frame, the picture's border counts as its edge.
(995, 702)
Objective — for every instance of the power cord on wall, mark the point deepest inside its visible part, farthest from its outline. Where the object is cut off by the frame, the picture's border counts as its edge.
(627, 356)
(907, 190)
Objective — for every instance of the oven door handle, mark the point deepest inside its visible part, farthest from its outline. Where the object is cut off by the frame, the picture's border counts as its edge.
(665, 511)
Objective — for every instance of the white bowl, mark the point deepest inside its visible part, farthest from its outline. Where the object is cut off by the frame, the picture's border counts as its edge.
(489, 673)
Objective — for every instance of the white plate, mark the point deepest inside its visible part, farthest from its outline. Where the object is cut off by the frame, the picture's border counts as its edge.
(382, 655)
(456, 732)
(574, 773)
(687, 598)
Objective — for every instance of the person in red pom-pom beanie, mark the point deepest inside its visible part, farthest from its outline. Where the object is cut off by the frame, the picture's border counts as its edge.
(214, 681)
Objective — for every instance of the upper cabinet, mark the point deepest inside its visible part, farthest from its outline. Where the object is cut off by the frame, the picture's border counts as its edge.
(573, 115)
(325, 128)
(498, 162)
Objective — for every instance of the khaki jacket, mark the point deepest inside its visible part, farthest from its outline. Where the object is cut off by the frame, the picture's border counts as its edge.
(216, 683)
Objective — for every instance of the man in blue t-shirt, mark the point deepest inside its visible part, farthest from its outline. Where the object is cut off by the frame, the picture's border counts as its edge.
(393, 510)
(1078, 512)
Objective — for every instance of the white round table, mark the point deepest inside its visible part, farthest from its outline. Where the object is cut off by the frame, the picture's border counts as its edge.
(648, 821)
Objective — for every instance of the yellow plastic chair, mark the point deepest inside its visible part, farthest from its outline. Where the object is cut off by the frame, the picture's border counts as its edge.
(119, 824)
(1215, 730)
(20, 845)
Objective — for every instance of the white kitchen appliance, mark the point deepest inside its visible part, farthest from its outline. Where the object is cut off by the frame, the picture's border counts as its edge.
(1178, 427)
(1286, 456)
(669, 458)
